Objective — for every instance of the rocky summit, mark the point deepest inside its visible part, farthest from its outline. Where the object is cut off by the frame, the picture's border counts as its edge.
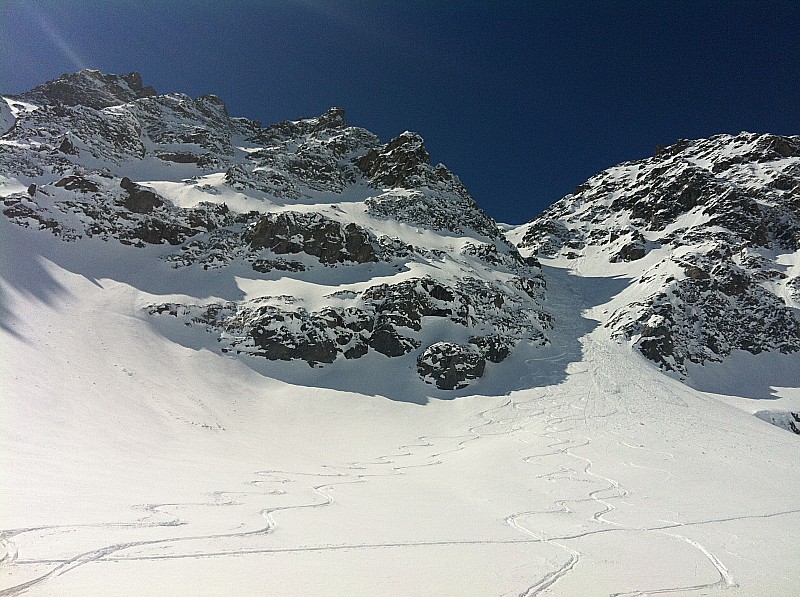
(339, 245)
(707, 232)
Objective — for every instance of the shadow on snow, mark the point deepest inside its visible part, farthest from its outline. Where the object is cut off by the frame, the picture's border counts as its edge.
(25, 252)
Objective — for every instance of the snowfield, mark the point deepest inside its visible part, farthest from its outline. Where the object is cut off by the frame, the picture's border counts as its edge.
(450, 416)
(140, 460)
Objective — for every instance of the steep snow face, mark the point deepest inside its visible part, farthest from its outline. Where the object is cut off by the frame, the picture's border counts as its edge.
(318, 242)
(708, 231)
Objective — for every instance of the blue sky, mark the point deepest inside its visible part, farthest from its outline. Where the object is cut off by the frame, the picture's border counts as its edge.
(523, 100)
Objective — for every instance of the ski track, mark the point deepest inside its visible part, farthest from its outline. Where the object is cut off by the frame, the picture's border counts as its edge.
(557, 416)
(565, 444)
(266, 476)
(509, 416)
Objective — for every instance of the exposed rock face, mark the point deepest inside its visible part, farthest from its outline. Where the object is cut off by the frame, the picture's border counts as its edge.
(385, 318)
(400, 163)
(450, 366)
(139, 200)
(91, 88)
(108, 158)
(707, 219)
(312, 234)
(493, 347)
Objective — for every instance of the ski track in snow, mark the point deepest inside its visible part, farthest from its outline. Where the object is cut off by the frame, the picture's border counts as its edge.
(570, 423)
(114, 552)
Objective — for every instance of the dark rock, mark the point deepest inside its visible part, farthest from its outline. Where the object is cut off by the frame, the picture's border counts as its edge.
(450, 366)
(332, 119)
(386, 319)
(386, 340)
(312, 234)
(67, 147)
(397, 162)
(267, 265)
(631, 252)
(696, 273)
(771, 147)
(406, 303)
(549, 236)
(793, 284)
(140, 199)
(734, 283)
(494, 348)
(32, 189)
(155, 232)
(179, 157)
(657, 345)
(357, 351)
(634, 250)
(287, 336)
(92, 89)
(22, 215)
(212, 106)
(292, 129)
(78, 183)
(671, 150)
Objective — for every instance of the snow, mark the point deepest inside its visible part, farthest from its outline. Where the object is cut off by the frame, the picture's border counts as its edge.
(137, 457)
(134, 464)
(9, 186)
(791, 263)
(7, 117)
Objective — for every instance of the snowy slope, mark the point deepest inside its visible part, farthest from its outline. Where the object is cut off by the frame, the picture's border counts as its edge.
(133, 465)
(139, 458)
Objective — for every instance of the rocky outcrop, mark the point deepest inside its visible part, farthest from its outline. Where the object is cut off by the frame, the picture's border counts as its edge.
(139, 199)
(91, 88)
(388, 319)
(400, 163)
(450, 366)
(79, 183)
(710, 216)
(293, 129)
(313, 234)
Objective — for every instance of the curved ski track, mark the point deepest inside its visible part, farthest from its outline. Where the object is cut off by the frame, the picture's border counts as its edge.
(571, 422)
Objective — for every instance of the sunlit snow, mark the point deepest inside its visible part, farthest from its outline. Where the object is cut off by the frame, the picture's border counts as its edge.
(133, 464)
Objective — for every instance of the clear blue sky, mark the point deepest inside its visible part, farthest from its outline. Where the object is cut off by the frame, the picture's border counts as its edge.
(523, 100)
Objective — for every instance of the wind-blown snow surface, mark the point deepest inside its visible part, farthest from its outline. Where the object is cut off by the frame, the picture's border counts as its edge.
(136, 465)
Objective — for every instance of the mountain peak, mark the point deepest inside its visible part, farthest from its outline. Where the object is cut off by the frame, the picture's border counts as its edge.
(698, 227)
(91, 88)
(290, 201)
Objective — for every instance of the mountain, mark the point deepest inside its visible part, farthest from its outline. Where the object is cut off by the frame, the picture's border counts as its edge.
(296, 359)
(708, 231)
(103, 157)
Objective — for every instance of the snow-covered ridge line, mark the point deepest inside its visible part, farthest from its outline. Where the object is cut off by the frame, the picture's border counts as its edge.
(104, 157)
(707, 231)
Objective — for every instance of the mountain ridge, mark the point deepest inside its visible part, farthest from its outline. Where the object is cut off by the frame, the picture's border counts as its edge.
(714, 224)
(699, 229)
(298, 359)
(113, 160)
